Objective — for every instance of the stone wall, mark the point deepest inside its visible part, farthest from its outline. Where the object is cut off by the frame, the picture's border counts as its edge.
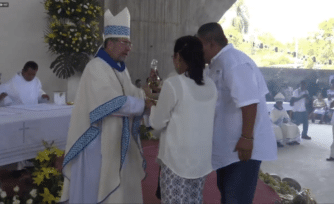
(156, 24)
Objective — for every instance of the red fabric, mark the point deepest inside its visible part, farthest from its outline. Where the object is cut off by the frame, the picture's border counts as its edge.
(263, 195)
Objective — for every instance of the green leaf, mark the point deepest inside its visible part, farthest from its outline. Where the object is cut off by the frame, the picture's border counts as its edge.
(63, 66)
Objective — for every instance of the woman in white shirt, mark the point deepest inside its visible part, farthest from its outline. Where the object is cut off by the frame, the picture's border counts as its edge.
(185, 114)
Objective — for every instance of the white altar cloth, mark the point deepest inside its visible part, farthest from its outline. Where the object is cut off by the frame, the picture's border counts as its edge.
(22, 131)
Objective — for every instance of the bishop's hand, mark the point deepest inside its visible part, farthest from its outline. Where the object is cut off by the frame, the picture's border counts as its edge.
(45, 96)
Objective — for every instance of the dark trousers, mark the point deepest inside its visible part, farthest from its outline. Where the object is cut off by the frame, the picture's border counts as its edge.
(237, 182)
(301, 117)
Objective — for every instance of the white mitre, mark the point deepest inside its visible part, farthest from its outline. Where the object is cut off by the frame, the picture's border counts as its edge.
(279, 97)
(117, 26)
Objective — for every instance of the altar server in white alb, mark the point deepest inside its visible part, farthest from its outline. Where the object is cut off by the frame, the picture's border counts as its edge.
(285, 131)
(103, 158)
(24, 88)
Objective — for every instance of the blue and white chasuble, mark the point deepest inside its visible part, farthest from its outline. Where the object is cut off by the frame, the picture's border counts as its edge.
(103, 144)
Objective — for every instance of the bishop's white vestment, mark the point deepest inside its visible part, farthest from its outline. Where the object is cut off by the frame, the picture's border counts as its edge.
(284, 132)
(103, 158)
(21, 91)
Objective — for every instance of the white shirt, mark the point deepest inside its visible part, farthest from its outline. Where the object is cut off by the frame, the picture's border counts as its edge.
(21, 91)
(239, 83)
(185, 113)
(299, 106)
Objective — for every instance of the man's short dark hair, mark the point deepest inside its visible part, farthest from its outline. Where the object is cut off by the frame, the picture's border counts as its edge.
(109, 39)
(31, 64)
(213, 32)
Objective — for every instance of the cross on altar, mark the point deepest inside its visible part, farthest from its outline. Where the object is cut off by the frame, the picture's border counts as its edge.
(24, 130)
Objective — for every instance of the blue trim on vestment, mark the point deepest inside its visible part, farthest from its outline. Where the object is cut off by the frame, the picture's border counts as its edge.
(136, 136)
(107, 108)
(105, 56)
(81, 144)
(96, 115)
(117, 30)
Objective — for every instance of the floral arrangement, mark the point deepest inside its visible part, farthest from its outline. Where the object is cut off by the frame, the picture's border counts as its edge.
(16, 199)
(287, 193)
(72, 33)
(47, 180)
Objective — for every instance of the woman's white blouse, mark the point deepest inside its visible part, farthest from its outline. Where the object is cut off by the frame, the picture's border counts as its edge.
(185, 113)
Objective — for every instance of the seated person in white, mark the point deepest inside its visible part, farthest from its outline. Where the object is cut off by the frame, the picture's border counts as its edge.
(320, 108)
(284, 129)
(24, 88)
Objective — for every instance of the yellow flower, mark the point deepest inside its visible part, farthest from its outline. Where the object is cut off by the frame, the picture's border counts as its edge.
(57, 151)
(58, 6)
(68, 12)
(47, 196)
(91, 6)
(67, 1)
(89, 12)
(43, 155)
(38, 179)
(83, 19)
(52, 35)
(78, 10)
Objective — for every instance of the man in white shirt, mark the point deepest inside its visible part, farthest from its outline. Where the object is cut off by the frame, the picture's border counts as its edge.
(23, 88)
(300, 114)
(243, 134)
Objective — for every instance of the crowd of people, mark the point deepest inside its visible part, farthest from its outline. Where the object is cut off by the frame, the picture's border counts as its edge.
(211, 119)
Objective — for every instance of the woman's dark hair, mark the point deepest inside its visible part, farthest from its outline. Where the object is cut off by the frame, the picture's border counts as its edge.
(190, 49)
(31, 64)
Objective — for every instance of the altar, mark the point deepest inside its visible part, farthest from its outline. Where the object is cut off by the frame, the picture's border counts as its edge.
(23, 128)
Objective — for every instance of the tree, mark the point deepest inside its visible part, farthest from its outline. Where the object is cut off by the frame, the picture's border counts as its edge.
(241, 21)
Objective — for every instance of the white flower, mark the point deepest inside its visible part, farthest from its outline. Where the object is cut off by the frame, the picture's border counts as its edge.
(61, 1)
(16, 201)
(3, 194)
(33, 193)
(16, 189)
(77, 50)
(85, 38)
(29, 201)
(61, 42)
(80, 39)
(88, 4)
(59, 10)
(74, 0)
(72, 10)
(88, 25)
(72, 30)
(91, 43)
(57, 0)
(15, 198)
(85, 6)
(70, 36)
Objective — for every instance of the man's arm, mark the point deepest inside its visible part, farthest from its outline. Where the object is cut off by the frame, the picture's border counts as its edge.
(245, 143)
